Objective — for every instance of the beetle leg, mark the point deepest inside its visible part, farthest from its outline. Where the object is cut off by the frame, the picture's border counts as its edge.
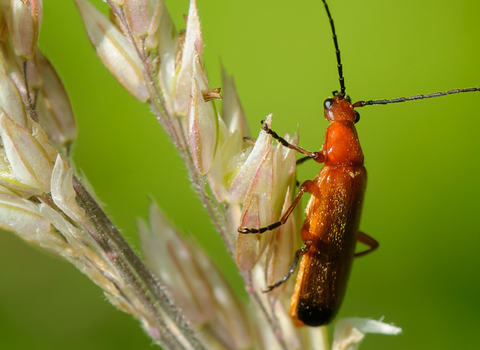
(249, 140)
(317, 156)
(303, 160)
(366, 239)
(304, 188)
(298, 254)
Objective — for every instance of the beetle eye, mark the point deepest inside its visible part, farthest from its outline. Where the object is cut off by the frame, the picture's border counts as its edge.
(328, 103)
(357, 117)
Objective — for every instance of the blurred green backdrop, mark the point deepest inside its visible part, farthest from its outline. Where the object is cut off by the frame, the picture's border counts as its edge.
(422, 157)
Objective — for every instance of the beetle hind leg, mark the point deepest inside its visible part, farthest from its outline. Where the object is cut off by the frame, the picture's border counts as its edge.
(366, 239)
(298, 254)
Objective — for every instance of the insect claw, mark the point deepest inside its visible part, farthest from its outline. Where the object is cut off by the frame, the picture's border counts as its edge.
(269, 289)
(242, 229)
(250, 140)
(265, 128)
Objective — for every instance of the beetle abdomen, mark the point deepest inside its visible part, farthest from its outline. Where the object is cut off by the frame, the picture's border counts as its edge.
(330, 233)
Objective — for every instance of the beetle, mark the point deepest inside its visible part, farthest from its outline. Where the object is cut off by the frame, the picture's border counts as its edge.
(332, 215)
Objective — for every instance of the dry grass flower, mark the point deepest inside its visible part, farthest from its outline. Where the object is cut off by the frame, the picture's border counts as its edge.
(177, 293)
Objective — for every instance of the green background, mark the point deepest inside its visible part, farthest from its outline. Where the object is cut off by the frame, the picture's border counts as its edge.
(422, 158)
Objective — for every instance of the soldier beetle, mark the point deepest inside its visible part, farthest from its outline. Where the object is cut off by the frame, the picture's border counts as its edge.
(332, 216)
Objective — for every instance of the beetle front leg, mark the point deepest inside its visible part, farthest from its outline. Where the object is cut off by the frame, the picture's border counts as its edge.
(317, 156)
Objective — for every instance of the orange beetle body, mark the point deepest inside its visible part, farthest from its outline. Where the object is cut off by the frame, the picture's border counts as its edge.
(332, 218)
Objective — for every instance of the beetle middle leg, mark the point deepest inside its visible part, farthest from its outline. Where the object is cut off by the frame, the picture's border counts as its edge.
(304, 188)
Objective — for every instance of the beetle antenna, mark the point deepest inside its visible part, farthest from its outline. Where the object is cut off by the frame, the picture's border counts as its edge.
(413, 98)
(337, 51)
